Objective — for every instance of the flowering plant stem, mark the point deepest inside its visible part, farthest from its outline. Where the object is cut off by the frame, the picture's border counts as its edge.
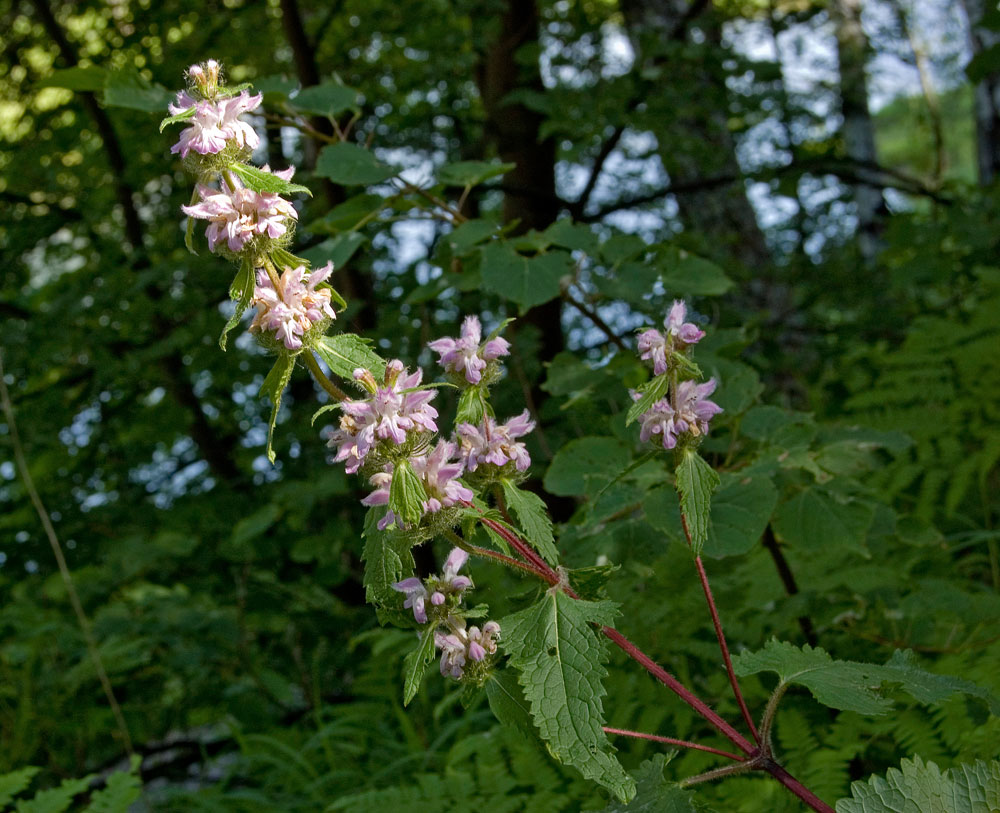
(322, 378)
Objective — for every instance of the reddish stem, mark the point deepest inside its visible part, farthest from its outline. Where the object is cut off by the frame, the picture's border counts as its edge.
(671, 741)
(525, 550)
(679, 689)
(796, 787)
(720, 635)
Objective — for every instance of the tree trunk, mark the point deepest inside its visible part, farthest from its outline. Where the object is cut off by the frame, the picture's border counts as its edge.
(987, 97)
(697, 144)
(858, 129)
(530, 198)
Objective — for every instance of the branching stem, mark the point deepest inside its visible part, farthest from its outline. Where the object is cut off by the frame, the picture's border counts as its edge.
(322, 378)
(671, 741)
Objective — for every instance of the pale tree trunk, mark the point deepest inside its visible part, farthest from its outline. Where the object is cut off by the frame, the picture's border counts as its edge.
(858, 129)
(720, 213)
(987, 96)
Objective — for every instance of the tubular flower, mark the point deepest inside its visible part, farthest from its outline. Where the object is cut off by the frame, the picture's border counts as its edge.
(658, 420)
(380, 496)
(237, 214)
(694, 410)
(461, 646)
(494, 443)
(416, 595)
(439, 475)
(464, 355)
(449, 582)
(654, 346)
(390, 413)
(214, 123)
(296, 307)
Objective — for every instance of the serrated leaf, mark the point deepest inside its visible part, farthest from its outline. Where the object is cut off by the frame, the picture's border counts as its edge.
(415, 664)
(652, 391)
(344, 353)
(387, 558)
(584, 465)
(471, 405)
(13, 783)
(741, 509)
(352, 165)
(654, 794)
(527, 281)
(90, 78)
(406, 493)
(853, 686)
(560, 657)
(121, 790)
(533, 517)
(506, 699)
(589, 582)
(470, 173)
(921, 787)
(696, 481)
(273, 387)
(184, 116)
(55, 800)
(684, 273)
(816, 519)
(328, 99)
(242, 292)
(260, 181)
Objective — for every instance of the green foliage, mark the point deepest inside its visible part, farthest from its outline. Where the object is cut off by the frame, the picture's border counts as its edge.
(274, 387)
(120, 790)
(242, 292)
(352, 165)
(344, 353)
(526, 281)
(560, 659)
(852, 686)
(261, 181)
(696, 481)
(533, 517)
(654, 794)
(416, 663)
(922, 786)
(327, 99)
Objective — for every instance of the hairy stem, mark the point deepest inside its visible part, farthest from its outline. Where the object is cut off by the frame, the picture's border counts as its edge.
(322, 379)
(496, 556)
(671, 741)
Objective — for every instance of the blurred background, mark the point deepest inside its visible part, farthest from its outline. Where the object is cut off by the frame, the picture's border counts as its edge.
(818, 176)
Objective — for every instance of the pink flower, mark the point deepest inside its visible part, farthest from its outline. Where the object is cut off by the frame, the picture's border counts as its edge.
(416, 596)
(464, 355)
(494, 443)
(439, 475)
(390, 413)
(654, 346)
(296, 307)
(658, 420)
(460, 646)
(237, 214)
(215, 123)
(694, 410)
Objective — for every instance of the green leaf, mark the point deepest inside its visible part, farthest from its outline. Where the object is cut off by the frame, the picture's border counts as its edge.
(91, 78)
(347, 215)
(921, 787)
(13, 783)
(242, 292)
(471, 405)
(852, 686)
(574, 236)
(653, 793)
(470, 173)
(129, 89)
(387, 557)
(696, 481)
(817, 519)
(589, 582)
(337, 250)
(560, 657)
(406, 493)
(184, 116)
(344, 353)
(260, 181)
(328, 99)
(690, 275)
(652, 391)
(469, 234)
(415, 664)
(528, 281)
(741, 509)
(352, 165)
(533, 517)
(273, 387)
(121, 790)
(55, 800)
(983, 64)
(506, 699)
(276, 87)
(585, 465)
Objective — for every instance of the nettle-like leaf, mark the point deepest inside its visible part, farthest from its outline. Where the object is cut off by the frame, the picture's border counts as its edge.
(534, 519)
(13, 783)
(696, 481)
(344, 353)
(652, 391)
(120, 791)
(242, 292)
(387, 559)
(654, 794)
(506, 699)
(921, 787)
(406, 493)
(260, 181)
(415, 664)
(274, 387)
(528, 281)
(853, 686)
(328, 99)
(352, 165)
(471, 173)
(817, 518)
(472, 405)
(560, 657)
